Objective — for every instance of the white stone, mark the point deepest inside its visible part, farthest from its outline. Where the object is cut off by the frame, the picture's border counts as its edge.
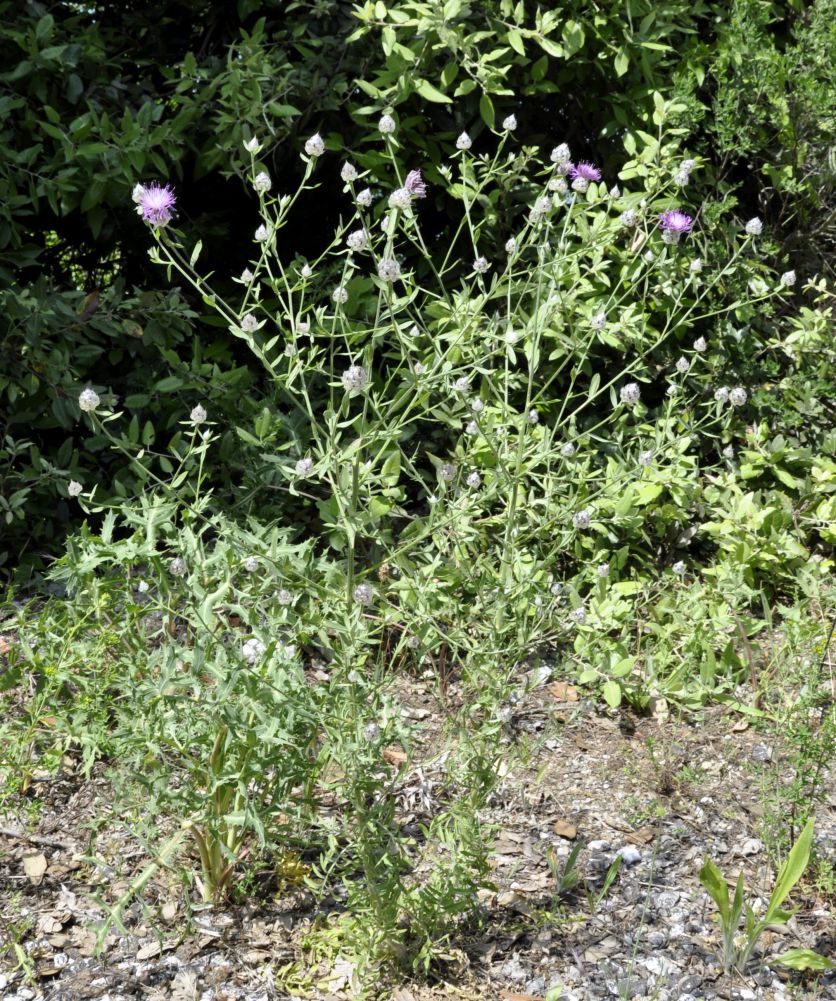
(629, 855)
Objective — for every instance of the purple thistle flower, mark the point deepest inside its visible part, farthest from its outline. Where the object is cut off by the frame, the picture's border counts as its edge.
(156, 204)
(586, 171)
(415, 184)
(674, 221)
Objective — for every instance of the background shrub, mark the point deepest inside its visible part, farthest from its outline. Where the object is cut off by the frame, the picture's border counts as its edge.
(93, 104)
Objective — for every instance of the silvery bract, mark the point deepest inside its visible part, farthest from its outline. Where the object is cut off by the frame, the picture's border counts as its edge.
(363, 594)
(354, 379)
(581, 518)
(630, 394)
(315, 145)
(262, 182)
(88, 400)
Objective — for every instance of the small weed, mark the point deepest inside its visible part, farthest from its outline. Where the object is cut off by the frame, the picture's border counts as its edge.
(806, 726)
(641, 811)
(567, 878)
(738, 951)
(15, 929)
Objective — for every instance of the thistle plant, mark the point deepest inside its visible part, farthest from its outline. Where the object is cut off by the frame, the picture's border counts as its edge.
(471, 433)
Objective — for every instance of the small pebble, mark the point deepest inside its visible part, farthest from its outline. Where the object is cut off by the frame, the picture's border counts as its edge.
(665, 900)
(629, 854)
(514, 969)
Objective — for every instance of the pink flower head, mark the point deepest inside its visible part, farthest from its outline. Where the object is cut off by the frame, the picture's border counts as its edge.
(415, 185)
(586, 171)
(156, 204)
(674, 221)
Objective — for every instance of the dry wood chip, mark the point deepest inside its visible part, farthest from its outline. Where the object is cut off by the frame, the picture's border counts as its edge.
(35, 839)
(561, 691)
(394, 755)
(255, 956)
(48, 970)
(84, 940)
(565, 829)
(49, 924)
(149, 951)
(35, 866)
(508, 841)
(641, 836)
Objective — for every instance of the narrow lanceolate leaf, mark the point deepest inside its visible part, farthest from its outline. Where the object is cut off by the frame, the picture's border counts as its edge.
(804, 959)
(792, 869)
(712, 879)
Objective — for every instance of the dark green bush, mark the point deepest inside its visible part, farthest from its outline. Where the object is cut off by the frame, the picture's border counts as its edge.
(97, 99)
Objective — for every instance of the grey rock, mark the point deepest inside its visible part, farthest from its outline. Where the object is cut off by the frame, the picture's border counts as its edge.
(629, 854)
(632, 893)
(751, 846)
(514, 970)
(664, 901)
(761, 752)
(765, 977)
(690, 984)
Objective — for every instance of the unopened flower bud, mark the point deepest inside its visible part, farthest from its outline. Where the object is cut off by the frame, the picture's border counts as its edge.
(315, 146)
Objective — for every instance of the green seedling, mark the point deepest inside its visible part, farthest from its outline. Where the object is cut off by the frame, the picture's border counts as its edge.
(736, 952)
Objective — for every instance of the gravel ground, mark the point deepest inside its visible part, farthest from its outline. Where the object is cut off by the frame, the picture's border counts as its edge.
(660, 793)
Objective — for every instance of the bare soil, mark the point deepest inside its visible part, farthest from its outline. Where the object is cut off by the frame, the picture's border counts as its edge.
(662, 792)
